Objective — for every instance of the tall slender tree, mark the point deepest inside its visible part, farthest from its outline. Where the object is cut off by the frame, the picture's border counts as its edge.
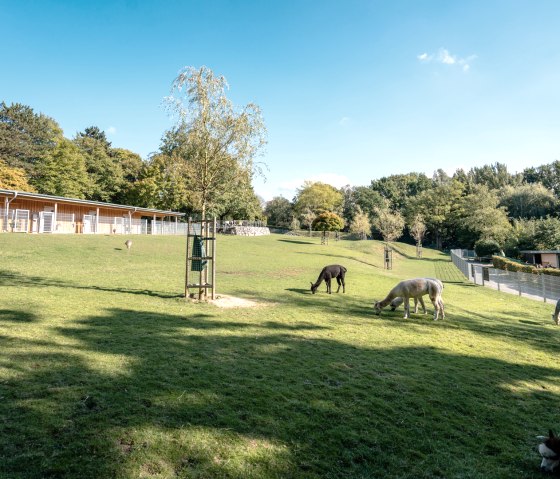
(216, 141)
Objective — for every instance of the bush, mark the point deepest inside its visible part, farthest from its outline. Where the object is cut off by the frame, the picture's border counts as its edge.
(510, 265)
(486, 247)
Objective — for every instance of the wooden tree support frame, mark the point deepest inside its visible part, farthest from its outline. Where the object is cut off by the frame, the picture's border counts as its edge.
(387, 257)
(201, 284)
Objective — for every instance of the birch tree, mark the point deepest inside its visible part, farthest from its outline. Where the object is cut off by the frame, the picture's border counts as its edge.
(216, 141)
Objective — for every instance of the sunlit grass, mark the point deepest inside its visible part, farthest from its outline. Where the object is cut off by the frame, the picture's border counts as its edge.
(106, 371)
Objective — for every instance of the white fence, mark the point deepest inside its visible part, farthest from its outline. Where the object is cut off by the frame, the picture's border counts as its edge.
(541, 287)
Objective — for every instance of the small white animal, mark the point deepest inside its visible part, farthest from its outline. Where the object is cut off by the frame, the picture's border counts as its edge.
(128, 244)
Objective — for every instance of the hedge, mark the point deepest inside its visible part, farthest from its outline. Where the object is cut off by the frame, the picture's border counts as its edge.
(506, 264)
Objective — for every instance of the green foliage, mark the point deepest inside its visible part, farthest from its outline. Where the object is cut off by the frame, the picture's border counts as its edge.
(528, 201)
(398, 189)
(547, 175)
(105, 172)
(486, 247)
(482, 216)
(25, 136)
(317, 197)
(279, 212)
(439, 207)
(162, 184)
(417, 228)
(328, 221)
(62, 172)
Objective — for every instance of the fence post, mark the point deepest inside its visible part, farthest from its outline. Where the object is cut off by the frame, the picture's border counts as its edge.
(519, 283)
(498, 278)
(543, 287)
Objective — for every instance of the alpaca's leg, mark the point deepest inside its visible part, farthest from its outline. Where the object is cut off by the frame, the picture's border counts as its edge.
(343, 284)
(406, 307)
(435, 302)
(328, 281)
(415, 305)
(441, 308)
(422, 304)
(339, 283)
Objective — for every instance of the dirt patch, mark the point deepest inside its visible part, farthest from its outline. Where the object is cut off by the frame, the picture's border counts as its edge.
(233, 302)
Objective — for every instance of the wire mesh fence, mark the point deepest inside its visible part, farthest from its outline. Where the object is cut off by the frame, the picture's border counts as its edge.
(540, 287)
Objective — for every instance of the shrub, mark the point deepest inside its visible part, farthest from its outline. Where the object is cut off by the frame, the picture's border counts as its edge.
(486, 247)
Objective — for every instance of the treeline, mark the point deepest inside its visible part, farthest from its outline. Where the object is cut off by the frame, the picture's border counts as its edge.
(486, 207)
(35, 156)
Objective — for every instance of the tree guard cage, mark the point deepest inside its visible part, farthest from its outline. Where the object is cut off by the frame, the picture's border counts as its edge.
(418, 250)
(387, 257)
(200, 277)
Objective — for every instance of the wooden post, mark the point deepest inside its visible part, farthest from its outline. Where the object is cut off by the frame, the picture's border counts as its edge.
(215, 240)
(187, 260)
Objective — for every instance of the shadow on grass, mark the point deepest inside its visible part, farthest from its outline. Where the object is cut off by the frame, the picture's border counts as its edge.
(297, 241)
(17, 316)
(11, 278)
(147, 395)
(350, 258)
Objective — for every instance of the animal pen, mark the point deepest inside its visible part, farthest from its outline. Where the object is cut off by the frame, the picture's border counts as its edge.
(200, 276)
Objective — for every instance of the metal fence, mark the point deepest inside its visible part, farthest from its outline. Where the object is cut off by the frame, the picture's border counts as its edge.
(541, 287)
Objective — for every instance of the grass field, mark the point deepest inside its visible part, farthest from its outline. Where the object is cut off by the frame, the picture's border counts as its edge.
(106, 371)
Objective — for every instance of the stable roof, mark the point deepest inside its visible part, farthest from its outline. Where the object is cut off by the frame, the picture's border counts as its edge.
(62, 199)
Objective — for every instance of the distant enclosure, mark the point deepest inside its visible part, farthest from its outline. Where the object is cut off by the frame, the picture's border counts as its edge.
(541, 287)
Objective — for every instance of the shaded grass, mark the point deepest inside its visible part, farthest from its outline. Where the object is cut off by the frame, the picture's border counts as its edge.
(106, 372)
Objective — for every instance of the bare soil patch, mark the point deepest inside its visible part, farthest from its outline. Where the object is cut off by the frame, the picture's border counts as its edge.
(223, 301)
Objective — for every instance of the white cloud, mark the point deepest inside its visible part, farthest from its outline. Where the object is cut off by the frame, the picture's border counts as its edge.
(112, 130)
(444, 57)
(344, 121)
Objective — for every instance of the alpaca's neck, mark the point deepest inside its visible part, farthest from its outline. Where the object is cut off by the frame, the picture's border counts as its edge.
(388, 299)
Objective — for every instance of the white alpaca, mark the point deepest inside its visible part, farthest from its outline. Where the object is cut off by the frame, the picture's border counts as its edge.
(415, 288)
(398, 301)
(556, 312)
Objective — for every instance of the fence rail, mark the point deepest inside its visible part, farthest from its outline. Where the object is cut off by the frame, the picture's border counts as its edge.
(541, 287)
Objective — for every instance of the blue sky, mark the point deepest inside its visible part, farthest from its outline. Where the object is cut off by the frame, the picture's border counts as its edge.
(350, 90)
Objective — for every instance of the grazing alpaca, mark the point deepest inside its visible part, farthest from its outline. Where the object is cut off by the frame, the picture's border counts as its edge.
(327, 273)
(398, 301)
(549, 449)
(415, 288)
(556, 312)
(128, 244)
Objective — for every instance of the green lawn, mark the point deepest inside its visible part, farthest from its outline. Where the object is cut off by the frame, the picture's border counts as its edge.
(107, 372)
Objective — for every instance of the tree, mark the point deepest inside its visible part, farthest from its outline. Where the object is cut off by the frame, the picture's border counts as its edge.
(279, 212)
(62, 172)
(439, 206)
(483, 217)
(417, 230)
(317, 197)
(390, 224)
(131, 165)
(360, 224)
(494, 176)
(25, 136)
(12, 178)
(397, 189)
(328, 221)
(547, 175)
(162, 184)
(360, 199)
(96, 134)
(528, 201)
(104, 171)
(215, 141)
(307, 218)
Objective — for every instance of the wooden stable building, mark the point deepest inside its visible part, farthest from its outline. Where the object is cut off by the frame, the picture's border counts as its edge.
(22, 212)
